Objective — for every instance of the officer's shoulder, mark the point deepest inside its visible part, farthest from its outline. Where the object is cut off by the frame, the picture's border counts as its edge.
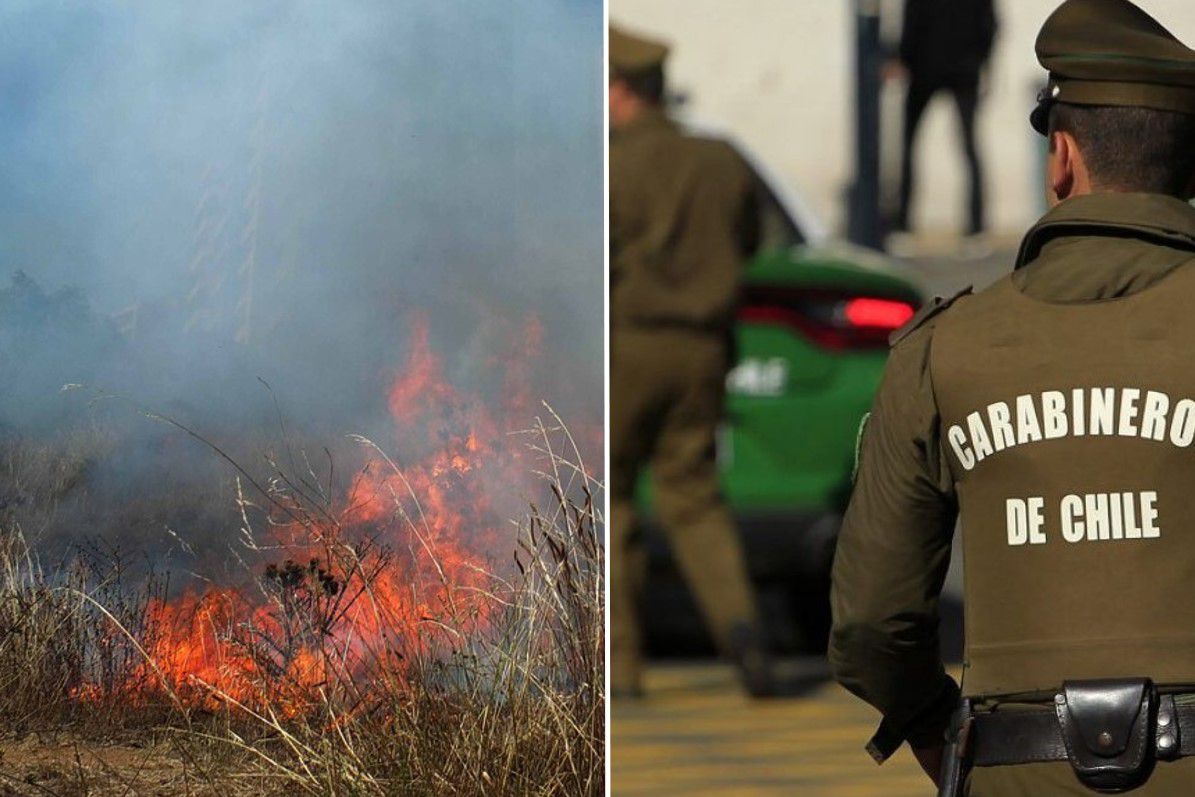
(714, 147)
(926, 317)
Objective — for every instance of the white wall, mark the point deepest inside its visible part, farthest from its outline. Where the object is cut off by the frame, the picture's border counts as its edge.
(778, 73)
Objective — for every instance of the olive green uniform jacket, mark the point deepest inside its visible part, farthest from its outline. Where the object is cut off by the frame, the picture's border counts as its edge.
(682, 222)
(683, 218)
(895, 543)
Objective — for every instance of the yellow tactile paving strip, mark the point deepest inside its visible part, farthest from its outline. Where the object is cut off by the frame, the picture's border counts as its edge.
(697, 734)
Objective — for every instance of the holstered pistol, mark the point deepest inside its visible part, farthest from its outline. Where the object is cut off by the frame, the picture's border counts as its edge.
(956, 756)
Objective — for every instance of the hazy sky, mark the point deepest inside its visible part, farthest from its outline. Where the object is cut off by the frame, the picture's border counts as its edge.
(310, 174)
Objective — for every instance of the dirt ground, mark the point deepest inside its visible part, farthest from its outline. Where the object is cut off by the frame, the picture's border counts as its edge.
(73, 767)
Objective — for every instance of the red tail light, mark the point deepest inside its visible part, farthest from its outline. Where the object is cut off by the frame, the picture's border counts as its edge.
(883, 314)
(832, 320)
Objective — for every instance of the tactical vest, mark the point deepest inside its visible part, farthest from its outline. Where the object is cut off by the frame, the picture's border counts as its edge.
(1070, 433)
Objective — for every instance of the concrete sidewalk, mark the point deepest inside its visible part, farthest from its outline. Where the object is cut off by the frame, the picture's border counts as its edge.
(697, 734)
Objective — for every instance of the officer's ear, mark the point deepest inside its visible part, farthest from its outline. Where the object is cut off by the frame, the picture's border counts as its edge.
(1059, 176)
(1066, 174)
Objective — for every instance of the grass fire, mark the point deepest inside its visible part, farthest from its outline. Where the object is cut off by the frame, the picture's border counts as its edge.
(390, 631)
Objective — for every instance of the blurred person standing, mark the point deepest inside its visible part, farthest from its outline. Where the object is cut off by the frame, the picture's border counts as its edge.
(944, 46)
(1053, 415)
(683, 220)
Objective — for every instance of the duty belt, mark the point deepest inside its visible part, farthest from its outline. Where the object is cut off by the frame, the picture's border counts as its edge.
(1027, 737)
(1111, 732)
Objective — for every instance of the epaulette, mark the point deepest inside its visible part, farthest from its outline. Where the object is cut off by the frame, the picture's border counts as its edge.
(927, 311)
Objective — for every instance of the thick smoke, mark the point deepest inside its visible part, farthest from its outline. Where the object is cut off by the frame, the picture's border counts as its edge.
(196, 196)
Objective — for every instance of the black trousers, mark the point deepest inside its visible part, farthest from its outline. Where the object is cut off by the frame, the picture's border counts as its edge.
(965, 91)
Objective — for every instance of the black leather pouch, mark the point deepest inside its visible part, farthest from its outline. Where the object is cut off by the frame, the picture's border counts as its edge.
(1107, 726)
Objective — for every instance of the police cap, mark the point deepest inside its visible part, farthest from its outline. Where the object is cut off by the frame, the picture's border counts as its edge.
(1110, 52)
(631, 54)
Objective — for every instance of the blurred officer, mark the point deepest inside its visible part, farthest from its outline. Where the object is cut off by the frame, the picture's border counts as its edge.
(944, 46)
(1054, 413)
(682, 221)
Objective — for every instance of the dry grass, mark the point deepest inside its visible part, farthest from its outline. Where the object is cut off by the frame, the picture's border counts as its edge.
(490, 685)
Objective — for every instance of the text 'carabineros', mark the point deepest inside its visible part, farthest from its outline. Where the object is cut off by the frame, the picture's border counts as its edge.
(1081, 412)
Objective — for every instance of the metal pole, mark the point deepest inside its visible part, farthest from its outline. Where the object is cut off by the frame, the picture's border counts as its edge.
(864, 225)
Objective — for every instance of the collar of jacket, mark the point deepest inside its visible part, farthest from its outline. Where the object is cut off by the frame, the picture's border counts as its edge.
(1153, 217)
(648, 119)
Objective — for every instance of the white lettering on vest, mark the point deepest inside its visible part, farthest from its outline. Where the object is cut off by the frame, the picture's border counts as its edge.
(1078, 412)
(1053, 414)
(1116, 514)
(979, 436)
(1028, 429)
(1079, 425)
(1149, 516)
(1095, 507)
(1025, 520)
(1102, 405)
(1072, 528)
(1128, 412)
(1098, 517)
(999, 416)
(958, 440)
(1182, 425)
(1132, 531)
(1153, 416)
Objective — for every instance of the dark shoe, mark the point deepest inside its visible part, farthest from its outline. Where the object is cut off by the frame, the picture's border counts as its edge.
(754, 661)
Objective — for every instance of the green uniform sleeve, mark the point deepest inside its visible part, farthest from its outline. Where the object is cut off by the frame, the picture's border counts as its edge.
(893, 552)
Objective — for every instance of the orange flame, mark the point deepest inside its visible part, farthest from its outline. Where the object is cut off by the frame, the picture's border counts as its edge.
(383, 578)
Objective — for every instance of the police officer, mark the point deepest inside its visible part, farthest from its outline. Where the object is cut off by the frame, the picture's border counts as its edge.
(682, 221)
(1054, 414)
